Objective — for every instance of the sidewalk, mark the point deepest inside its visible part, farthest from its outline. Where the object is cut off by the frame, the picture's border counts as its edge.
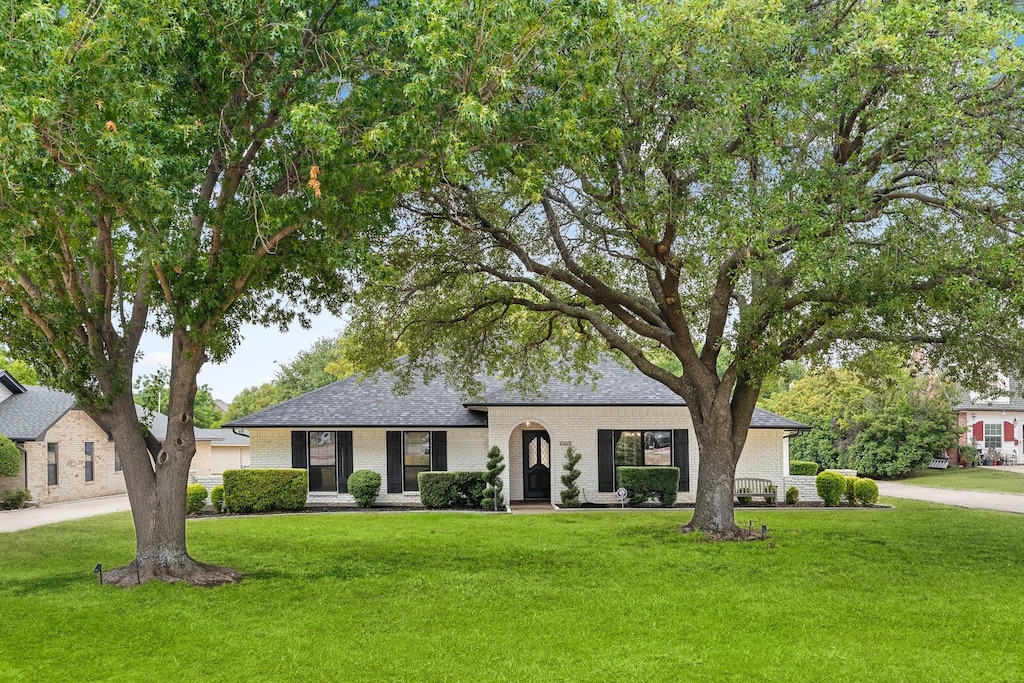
(976, 500)
(16, 520)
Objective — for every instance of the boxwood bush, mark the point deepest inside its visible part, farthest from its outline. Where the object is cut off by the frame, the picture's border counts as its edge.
(792, 495)
(647, 483)
(195, 498)
(217, 497)
(850, 497)
(364, 485)
(15, 500)
(265, 490)
(866, 491)
(803, 468)
(451, 489)
(831, 487)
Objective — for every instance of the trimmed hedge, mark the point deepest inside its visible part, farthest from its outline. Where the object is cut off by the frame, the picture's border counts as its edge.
(831, 486)
(850, 497)
(451, 489)
(646, 483)
(195, 498)
(217, 497)
(265, 490)
(10, 458)
(364, 485)
(792, 495)
(866, 491)
(803, 468)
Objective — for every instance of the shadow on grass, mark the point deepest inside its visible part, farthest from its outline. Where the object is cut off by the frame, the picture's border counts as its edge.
(44, 584)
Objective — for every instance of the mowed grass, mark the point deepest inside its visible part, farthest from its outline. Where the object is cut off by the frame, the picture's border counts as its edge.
(972, 479)
(918, 593)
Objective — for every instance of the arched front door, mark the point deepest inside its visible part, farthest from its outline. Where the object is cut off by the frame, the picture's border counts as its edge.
(536, 465)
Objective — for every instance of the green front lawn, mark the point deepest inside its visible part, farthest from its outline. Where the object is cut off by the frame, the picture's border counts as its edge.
(971, 479)
(920, 593)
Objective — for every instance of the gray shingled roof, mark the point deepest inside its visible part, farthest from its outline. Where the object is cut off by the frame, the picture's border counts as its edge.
(349, 403)
(220, 437)
(26, 416)
(1016, 401)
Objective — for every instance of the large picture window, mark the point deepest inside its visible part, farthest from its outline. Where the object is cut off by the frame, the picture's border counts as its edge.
(89, 461)
(323, 461)
(52, 458)
(651, 448)
(416, 457)
(993, 436)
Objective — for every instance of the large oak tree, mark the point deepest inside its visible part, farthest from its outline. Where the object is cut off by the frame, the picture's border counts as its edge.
(732, 185)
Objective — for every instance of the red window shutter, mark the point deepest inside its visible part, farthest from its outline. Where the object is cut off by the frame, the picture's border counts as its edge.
(1007, 431)
(979, 431)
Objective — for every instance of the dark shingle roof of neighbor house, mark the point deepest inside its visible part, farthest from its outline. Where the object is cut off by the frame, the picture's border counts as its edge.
(1016, 401)
(27, 415)
(349, 403)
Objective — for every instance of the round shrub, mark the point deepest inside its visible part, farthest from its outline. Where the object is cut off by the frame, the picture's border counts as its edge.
(792, 495)
(831, 486)
(866, 491)
(195, 498)
(15, 500)
(803, 468)
(364, 485)
(217, 497)
(850, 497)
(10, 458)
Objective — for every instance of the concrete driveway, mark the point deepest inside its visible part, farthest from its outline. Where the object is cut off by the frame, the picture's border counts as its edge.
(16, 520)
(977, 500)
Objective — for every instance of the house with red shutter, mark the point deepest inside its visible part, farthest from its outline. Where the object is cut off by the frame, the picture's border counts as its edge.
(993, 423)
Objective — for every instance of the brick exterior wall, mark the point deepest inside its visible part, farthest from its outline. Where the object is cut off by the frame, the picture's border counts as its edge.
(765, 455)
(807, 487)
(70, 433)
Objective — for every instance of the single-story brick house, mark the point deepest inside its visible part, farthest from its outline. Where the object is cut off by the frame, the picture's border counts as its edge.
(994, 421)
(66, 455)
(623, 417)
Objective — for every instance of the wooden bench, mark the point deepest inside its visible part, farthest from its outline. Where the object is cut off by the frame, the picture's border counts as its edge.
(755, 488)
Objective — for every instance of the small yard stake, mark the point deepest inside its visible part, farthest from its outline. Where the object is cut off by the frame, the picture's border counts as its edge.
(99, 570)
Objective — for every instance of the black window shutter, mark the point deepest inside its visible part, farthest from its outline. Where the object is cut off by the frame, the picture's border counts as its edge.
(344, 445)
(300, 450)
(394, 462)
(681, 450)
(439, 451)
(605, 460)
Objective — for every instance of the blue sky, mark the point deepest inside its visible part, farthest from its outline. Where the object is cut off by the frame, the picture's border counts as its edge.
(255, 360)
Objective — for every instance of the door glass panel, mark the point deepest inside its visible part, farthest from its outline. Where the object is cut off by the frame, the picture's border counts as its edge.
(545, 452)
(532, 450)
(323, 473)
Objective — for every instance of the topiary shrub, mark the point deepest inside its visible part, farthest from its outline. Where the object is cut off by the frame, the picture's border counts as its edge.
(770, 496)
(364, 485)
(742, 498)
(831, 486)
(10, 458)
(217, 497)
(851, 499)
(451, 489)
(15, 500)
(866, 491)
(493, 500)
(650, 483)
(195, 498)
(792, 495)
(265, 490)
(571, 493)
(803, 468)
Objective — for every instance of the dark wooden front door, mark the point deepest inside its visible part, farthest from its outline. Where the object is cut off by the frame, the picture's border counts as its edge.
(536, 465)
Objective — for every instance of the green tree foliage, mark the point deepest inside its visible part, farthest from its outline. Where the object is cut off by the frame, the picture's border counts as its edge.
(571, 493)
(493, 498)
(10, 458)
(877, 426)
(22, 371)
(153, 391)
(760, 182)
(254, 399)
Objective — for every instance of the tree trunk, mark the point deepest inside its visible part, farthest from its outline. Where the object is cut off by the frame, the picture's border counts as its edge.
(157, 478)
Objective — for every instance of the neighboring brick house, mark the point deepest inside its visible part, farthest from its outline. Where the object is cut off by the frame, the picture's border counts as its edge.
(994, 421)
(623, 417)
(216, 449)
(66, 455)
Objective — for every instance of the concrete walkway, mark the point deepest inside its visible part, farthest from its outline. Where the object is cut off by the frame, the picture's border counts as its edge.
(977, 500)
(16, 520)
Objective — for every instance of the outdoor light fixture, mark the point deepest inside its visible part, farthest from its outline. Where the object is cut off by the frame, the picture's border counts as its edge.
(98, 569)
(764, 530)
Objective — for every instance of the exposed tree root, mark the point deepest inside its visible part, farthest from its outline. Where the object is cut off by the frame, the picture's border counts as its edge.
(185, 569)
(734, 533)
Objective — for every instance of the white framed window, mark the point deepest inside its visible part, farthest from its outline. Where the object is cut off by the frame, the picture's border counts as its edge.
(993, 436)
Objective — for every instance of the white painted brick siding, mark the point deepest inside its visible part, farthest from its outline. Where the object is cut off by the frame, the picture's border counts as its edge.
(807, 487)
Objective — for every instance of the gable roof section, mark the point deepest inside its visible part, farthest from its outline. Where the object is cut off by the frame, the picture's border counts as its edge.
(372, 403)
(27, 416)
(1016, 401)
